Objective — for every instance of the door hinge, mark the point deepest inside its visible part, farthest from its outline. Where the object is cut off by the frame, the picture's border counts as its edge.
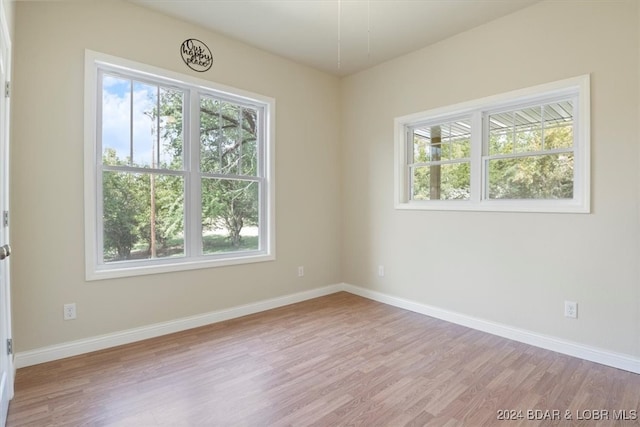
(5, 218)
(10, 346)
(7, 89)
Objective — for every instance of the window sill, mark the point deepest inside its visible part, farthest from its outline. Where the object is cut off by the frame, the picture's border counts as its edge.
(128, 269)
(533, 206)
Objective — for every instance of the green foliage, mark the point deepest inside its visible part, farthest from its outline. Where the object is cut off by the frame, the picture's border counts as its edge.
(168, 213)
(127, 214)
(138, 204)
(455, 177)
(121, 207)
(544, 176)
(171, 129)
(228, 135)
(526, 172)
(229, 205)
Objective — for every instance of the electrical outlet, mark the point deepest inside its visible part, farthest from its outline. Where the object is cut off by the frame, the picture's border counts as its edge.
(69, 311)
(571, 309)
(381, 270)
(301, 271)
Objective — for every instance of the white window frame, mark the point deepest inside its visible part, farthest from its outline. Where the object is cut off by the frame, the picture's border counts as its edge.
(577, 88)
(95, 268)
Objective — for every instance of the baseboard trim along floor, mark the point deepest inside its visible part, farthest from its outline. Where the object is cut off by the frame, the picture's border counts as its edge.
(603, 357)
(101, 342)
(74, 348)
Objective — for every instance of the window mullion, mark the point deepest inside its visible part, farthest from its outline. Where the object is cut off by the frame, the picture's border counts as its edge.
(130, 122)
(435, 163)
(264, 227)
(240, 135)
(580, 152)
(543, 130)
(478, 147)
(99, 202)
(523, 154)
(408, 173)
(192, 160)
(156, 157)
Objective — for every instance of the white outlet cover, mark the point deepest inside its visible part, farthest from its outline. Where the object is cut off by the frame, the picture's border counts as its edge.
(69, 311)
(571, 309)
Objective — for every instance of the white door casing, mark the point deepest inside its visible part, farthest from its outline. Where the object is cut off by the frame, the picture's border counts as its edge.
(6, 356)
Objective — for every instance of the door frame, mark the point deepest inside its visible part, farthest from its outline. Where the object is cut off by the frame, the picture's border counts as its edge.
(5, 269)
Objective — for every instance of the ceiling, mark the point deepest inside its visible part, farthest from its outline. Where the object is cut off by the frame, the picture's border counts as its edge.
(338, 36)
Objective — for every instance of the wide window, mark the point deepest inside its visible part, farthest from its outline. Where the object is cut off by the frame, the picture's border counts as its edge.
(523, 151)
(178, 171)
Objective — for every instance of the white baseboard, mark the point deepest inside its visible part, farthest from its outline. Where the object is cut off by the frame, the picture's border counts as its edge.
(604, 357)
(74, 348)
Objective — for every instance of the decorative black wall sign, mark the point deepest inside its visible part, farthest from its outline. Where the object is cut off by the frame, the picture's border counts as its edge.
(196, 55)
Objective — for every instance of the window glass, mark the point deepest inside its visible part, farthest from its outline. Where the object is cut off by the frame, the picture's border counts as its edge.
(522, 151)
(518, 167)
(230, 215)
(440, 169)
(169, 195)
(532, 177)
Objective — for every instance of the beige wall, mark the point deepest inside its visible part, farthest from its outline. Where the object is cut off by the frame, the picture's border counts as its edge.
(47, 174)
(511, 268)
(335, 211)
(8, 6)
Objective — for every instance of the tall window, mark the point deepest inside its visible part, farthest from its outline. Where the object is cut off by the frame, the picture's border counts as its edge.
(179, 173)
(522, 151)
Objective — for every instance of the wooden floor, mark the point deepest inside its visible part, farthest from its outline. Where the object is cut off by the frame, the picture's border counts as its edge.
(335, 360)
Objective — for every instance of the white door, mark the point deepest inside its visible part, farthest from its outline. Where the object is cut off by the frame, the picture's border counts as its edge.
(6, 358)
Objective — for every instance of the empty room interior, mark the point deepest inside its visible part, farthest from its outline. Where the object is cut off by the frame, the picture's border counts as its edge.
(331, 212)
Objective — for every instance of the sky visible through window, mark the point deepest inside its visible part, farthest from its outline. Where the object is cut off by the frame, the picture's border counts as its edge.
(120, 124)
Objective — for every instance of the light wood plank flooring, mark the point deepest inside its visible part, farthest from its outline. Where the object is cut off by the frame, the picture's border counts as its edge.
(332, 361)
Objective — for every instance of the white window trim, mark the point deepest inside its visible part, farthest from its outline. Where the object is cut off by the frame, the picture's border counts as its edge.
(581, 202)
(93, 269)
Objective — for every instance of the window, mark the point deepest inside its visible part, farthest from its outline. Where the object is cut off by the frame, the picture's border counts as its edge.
(440, 163)
(523, 151)
(530, 152)
(178, 171)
